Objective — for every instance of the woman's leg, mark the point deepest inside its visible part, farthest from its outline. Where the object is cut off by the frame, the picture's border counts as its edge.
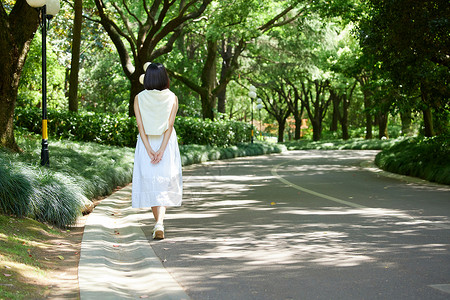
(159, 212)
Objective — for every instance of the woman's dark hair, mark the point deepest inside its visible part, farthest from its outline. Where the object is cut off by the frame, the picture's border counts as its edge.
(156, 77)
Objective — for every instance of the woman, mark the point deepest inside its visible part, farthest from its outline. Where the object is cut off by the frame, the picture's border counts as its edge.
(157, 177)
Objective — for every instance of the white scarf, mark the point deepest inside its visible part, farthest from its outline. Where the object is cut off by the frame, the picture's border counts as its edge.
(155, 107)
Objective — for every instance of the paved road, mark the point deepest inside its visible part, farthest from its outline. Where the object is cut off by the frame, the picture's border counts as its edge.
(307, 225)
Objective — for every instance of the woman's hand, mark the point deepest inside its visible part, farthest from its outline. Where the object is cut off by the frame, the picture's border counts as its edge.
(158, 156)
(151, 154)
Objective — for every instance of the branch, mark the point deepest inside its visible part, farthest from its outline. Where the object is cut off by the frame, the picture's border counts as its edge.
(92, 20)
(192, 85)
(127, 24)
(111, 28)
(288, 20)
(154, 38)
(133, 15)
(167, 47)
(271, 22)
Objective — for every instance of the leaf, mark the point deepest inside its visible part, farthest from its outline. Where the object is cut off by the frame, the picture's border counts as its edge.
(7, 275)
(60, 257)
(272, 203)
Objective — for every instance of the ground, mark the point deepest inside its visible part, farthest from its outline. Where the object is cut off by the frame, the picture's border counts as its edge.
(39, 261)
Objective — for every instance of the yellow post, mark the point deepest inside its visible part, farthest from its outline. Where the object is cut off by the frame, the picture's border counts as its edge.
(44, 130)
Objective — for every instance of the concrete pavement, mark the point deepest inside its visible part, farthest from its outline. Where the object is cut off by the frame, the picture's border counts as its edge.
(300, 225)
(116, 260)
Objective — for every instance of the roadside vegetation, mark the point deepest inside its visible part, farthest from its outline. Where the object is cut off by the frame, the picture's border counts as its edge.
(426, 158)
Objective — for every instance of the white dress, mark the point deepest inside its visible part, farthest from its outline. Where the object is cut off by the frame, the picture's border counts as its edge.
(158, 184)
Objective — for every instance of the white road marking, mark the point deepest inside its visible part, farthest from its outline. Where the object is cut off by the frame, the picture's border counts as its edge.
(442, 287)
(334, 199)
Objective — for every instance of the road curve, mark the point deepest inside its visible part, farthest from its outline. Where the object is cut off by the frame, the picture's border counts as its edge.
(307, 225)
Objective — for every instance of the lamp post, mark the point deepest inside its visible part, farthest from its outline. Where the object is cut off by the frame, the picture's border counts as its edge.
(252, 95)
(259, 106)
(47, 9)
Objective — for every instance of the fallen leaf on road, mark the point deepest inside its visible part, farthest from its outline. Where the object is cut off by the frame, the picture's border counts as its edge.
(60, 257)
(272, 203)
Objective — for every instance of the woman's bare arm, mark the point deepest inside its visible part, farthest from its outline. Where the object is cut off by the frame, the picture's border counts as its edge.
(167, 133)
(144, 138)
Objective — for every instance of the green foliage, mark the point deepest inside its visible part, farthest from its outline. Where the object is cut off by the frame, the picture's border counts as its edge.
(30, 87)
(353, 144)
(57, 194)
(191, 154)
(218, 133)
(421, 157)
(121, 130)
(103, 86)
(409, 39)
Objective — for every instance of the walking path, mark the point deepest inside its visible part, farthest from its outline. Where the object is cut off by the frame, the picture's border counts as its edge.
(299, 225)
(116, 260)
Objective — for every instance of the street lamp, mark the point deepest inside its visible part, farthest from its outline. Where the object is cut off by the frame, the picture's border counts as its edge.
(259, 106)
(47, 9)
(252, 95)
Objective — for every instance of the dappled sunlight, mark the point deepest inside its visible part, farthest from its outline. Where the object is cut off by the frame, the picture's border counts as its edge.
(239, 222)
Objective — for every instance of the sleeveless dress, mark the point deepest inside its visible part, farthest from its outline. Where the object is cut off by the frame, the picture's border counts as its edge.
(158, 184)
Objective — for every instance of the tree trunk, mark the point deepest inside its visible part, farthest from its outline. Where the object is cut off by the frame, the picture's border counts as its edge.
(227, 54)
(75, 63)
(136, 88)
(221, 100)
(298, 127)
(335, 115)
(344, 118)
(405, 116)
(363, 80)
(16, 32)
(207, 105)
(281, 128)
(208, 78)
(317, 129)
(382, 123)
(428, 122)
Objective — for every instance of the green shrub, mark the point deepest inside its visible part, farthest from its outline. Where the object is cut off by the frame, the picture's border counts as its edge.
(352, 144)
(192, 154)
(426, 158)
(121, 130)
(57, 194)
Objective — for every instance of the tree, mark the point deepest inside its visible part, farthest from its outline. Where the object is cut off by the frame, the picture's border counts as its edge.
(75, 62)
(17, 29)
(230, 28)
(138, 41)
(410, 39)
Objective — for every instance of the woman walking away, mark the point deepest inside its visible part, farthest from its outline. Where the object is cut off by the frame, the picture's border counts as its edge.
(157, 178)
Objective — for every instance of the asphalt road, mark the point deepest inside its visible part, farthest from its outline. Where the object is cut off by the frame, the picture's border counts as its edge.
(307, 225)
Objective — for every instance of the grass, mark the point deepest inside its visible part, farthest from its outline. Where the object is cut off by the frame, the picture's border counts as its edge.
(81, 171)
(24, 270)
(426, 158)
(351, 144)
(78, 172)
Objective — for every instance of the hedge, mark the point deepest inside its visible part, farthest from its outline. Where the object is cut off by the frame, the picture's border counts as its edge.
(426, 158)
(121, 130)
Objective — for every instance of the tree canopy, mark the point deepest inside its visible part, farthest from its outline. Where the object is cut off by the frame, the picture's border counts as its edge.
(349, 62)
